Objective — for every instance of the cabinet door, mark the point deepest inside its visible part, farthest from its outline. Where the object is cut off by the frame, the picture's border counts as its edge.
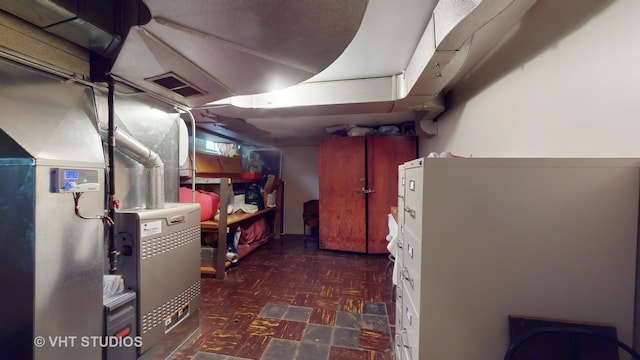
(384, 154)
(342, 206)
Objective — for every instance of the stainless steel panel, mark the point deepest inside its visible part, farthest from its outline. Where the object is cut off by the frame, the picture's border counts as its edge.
(50, 119)
(40, 12)
(152, 125)
(60, 255)
(84, 34)
(69, 258)
(17, 227)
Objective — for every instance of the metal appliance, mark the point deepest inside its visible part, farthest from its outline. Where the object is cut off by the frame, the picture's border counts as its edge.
(159, 260)
(52, 258)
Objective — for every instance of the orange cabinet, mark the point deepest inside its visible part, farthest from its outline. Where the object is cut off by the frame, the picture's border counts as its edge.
(358, 186)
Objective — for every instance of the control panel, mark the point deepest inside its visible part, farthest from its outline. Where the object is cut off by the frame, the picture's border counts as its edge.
(74, 180)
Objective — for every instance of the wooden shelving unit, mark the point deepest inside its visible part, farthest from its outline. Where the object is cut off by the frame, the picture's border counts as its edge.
(213, 226)
(216, 173)
(225, 222)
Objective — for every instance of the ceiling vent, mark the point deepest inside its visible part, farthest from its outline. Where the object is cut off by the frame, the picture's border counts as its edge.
(174, 83)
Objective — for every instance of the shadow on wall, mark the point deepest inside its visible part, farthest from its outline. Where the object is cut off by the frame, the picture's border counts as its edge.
(542, 27)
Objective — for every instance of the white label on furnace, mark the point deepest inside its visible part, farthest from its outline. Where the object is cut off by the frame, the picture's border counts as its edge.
(151, 228)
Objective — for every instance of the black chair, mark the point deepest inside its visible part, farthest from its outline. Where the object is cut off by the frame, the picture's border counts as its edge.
(574, 334)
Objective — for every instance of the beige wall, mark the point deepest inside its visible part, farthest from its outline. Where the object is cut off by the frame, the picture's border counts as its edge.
(565, 82)
(300, 175)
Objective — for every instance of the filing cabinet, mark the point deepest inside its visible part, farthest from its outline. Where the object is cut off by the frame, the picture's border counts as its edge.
(482, 239)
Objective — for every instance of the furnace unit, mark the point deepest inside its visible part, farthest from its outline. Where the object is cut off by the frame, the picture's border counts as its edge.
(160, 251)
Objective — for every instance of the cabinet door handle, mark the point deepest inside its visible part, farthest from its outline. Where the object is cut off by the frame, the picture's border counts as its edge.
(364, 191)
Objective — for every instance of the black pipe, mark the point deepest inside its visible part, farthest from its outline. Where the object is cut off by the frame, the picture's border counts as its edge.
(113, 253)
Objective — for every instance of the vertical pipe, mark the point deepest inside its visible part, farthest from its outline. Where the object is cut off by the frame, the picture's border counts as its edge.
(193, 156)
(113, 253)
(225, 194)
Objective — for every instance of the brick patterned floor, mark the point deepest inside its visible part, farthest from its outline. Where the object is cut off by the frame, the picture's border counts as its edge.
(287, 301)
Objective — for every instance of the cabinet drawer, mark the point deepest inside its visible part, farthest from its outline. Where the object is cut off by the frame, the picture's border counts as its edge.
(411, 270)
(410, 333)
(412, 218)
(399, 297)
(400, 246)
(398, 338)
(401, 182)
(399, 348)
(413, 198)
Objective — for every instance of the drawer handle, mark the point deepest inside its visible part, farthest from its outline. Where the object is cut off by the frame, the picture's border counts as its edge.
(405, 275)
(411, 211)
(405, 343)
(403, 333)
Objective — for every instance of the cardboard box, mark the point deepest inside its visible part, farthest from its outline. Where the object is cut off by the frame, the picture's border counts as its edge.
(209, 165)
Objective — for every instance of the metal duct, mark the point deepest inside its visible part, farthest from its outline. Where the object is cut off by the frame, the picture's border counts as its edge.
(149, 159)
(97, 25)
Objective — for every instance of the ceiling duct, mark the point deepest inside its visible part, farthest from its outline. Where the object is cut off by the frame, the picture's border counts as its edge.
(225, 48)
(445, 49)
(96, 25)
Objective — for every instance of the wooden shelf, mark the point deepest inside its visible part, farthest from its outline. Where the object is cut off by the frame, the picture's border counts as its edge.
(210, 270)
(213, 225)
(216, 181)
(243, 251)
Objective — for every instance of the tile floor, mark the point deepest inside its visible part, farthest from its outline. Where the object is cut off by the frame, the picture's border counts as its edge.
(288, 300)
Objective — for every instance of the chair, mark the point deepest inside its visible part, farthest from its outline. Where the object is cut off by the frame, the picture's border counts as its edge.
(575, 335)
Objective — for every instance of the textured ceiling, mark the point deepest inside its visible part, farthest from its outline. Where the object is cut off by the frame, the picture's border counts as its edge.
(225, 48)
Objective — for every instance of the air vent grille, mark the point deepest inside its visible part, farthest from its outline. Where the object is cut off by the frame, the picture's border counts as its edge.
(173, 82)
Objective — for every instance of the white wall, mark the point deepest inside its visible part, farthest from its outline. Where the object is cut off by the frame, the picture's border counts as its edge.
(300, 176)
(564, 83)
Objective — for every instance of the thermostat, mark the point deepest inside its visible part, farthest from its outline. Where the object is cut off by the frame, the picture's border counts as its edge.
(74, 180)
